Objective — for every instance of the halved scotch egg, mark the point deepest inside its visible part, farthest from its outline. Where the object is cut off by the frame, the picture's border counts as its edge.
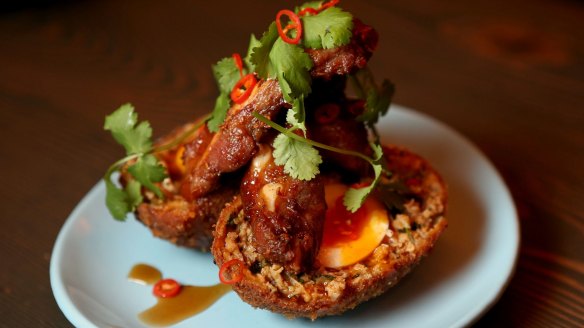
(326, 290)
(350, 237)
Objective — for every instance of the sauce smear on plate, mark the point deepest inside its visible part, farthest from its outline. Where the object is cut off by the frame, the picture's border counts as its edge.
(167, 311)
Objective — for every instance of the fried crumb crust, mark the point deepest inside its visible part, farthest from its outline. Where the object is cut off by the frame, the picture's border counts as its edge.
(324, 291)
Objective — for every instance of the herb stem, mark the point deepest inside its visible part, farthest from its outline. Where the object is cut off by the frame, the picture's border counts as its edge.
(289, 134)
(359, 89)
(116, 166)
(177, 141)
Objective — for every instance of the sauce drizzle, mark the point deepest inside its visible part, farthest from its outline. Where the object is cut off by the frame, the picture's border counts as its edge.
(189, 302)
(144, 274)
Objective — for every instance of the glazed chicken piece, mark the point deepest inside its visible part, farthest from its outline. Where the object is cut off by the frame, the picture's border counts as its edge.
(236, 142)
(286, 214)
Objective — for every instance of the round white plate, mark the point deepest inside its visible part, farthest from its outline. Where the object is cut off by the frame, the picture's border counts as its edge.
(465, 274)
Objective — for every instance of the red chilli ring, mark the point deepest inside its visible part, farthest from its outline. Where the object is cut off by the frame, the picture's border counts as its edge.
(294, 24)
(329, 4)
(166, 288)
(243, 88)
(236, 276)
(308, 10)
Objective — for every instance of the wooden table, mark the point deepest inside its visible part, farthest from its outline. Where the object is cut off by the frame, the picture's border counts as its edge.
(509, 75)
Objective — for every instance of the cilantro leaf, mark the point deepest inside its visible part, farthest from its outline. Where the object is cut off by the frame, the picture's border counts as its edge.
(392, 195)
(219, 112)
(121, 201)
(274, 58)
(116, 201)
(300, 159)
(354, 198)
(226, 74)
(148, 170)
(297, 115)
(260, 55)
(292, 66)
(122, 125)
(134, 191)
(253, 43)
(377, 99)
(378, 102)
(329, 29)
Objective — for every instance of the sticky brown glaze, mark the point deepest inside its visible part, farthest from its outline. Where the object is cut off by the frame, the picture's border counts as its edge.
(286, 214)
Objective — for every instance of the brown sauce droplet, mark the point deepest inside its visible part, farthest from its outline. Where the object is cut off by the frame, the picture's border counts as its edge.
(144, 274)
(190, 301)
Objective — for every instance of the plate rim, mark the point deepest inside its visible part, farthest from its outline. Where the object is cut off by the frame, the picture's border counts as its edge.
(64, 301)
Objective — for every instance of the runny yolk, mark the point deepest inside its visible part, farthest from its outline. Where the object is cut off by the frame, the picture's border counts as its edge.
(350, 237)
(342, 226)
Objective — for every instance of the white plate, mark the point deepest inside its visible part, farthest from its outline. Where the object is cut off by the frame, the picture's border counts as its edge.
(465, 274)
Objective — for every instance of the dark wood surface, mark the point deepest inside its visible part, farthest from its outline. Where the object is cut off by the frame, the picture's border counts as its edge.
(509, 75)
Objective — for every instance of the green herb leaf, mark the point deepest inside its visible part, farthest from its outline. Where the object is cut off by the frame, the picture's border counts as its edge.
(377, 99)
(354, 198)
(148, 170)
(226, 74)
(392, 196)
(296, 115)
(219, 112)
(378, 102)
(122, 124)
(116, 200)
(136, 139)
(329, 29)
(292, 66)
(260, 56)
(300, 159)
(134, 194)
(274, 58)
(121, 201)
(253, 43)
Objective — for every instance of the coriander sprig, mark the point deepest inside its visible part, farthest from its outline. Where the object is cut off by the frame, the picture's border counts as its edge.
(146, 170)
(377, 99)
(292, 148)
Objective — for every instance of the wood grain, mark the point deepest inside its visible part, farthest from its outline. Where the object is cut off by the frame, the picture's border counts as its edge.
(508, 75)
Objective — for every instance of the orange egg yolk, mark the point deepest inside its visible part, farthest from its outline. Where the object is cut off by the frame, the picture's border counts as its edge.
(350, 237)
(342, 226)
